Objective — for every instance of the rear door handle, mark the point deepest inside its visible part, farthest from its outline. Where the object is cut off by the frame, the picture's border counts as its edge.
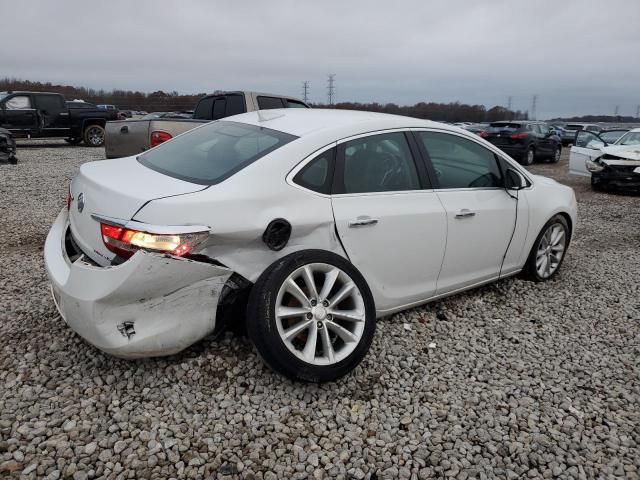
(363, 222)
(464, 213)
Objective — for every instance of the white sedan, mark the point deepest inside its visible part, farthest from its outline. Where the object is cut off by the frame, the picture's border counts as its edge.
(328, 218)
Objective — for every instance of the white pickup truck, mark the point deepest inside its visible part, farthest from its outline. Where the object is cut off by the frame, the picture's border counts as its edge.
(124, 138)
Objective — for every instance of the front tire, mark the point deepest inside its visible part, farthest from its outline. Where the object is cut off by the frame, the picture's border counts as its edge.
(548, 251)
(94, 136)
(311, 316)
(555, 158)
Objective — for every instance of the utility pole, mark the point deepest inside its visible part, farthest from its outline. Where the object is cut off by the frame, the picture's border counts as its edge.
(331, 89)
(533, 107)
(305, 91)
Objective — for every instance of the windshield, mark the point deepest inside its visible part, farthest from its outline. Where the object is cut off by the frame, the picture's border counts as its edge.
(612, 135)
(629, 138)
(3, 94)
(212, 153)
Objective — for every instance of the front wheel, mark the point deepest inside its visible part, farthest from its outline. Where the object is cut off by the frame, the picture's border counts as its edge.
(311, 316)
(556, 155)
(94, 136)
(548, 250)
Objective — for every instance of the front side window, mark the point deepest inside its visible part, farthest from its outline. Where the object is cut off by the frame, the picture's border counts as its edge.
(588, 139)
(212, 153)
(19, 102)
(461, 163)
(235, 105)
(379, 163)
(267, 103)
(219, 108)
(317, 175)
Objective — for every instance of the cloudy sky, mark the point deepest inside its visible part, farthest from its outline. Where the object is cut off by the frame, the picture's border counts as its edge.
(578, 56)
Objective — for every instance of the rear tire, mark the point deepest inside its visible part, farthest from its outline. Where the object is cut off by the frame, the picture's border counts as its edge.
(13, 160)
(322, 330)
(549, 250)
(529, 156)
(94, 136)
(555, 158)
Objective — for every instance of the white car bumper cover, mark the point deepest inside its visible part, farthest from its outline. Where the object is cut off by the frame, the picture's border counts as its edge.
(151, 305)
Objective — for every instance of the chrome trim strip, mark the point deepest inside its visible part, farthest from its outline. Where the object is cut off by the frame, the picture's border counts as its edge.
(149, 228)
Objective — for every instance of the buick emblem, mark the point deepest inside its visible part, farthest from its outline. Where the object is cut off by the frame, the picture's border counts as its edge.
(80, 202)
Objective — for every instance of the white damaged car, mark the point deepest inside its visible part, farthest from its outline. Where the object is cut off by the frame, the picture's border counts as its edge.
(609, 163)
(328, 218)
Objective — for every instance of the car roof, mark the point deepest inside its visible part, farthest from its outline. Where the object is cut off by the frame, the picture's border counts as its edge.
(339, 123)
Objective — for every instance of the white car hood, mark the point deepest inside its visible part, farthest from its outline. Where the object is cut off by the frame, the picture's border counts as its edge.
(627, 152)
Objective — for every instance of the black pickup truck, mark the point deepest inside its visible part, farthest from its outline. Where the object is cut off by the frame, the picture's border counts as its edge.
(46, 115)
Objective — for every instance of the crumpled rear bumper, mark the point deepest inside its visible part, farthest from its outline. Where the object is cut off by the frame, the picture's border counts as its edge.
(151, 305)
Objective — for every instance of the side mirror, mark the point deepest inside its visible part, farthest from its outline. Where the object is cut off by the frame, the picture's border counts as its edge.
(514, 180)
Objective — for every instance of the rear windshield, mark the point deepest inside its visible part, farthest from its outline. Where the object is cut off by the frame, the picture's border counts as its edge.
(212, 153)
(574, 127)
(504, 126)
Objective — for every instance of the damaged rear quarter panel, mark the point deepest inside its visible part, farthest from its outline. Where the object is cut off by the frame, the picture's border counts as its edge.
(239, 209)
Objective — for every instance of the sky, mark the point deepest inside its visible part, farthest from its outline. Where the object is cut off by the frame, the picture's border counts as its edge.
(577, 56)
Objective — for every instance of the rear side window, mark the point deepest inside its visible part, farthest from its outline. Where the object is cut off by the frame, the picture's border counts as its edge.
(204, 108)
(212, 153)
(317, 175)
(295, 104)
(267, 103)
(378, 163)
(49, 103)
(461, 163)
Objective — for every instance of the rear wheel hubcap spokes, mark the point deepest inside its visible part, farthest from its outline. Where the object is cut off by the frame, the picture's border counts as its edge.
(320, 314)
(550, 250)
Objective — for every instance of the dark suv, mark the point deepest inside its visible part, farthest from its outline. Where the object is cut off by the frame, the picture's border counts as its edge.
(525, 141)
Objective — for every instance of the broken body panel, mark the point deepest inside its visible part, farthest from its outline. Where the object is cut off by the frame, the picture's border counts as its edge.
(153, 304)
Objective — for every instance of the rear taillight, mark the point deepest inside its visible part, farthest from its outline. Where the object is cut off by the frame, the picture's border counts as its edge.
(519, 136)
(159, 137)
(124, 242)
(483, 134)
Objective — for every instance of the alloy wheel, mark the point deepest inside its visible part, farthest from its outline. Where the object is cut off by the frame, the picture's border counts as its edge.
(320, 314)
(96, 135)
(551, 249)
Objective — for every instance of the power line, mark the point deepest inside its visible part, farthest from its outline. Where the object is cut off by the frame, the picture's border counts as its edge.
(305, 91)
(331, 89)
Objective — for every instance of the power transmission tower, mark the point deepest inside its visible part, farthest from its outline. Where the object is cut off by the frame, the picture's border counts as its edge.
(638, 111)
(509, 100)
(615, 110)
(533, 107)
(305, 91)
(331, 89)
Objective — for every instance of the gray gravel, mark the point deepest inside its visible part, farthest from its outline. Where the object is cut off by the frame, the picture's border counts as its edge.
(514, 380)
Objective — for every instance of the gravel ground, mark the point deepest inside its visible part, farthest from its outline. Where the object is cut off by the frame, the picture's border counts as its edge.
(514, 380)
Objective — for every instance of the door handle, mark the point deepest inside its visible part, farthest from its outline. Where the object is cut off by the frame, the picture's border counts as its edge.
(124, 129)
(363, 222)
(465, 213)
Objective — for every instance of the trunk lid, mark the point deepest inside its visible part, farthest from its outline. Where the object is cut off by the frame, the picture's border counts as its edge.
(115, 189)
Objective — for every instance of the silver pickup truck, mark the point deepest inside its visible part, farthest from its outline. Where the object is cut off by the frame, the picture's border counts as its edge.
(124, 138)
